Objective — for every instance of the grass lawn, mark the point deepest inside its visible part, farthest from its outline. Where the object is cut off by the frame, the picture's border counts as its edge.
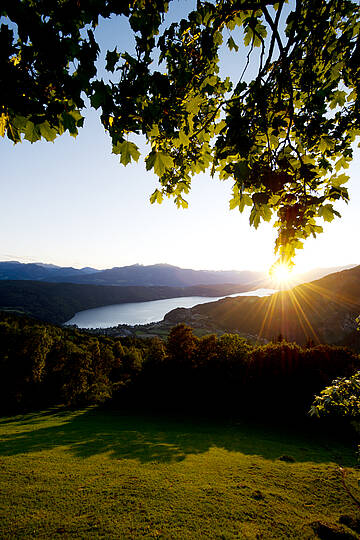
(101, 474)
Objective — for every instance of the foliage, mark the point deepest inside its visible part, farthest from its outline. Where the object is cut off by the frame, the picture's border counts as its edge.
(228, 375)
(283, 137)
(341, 398)
(41, 365)
(44, 365)
(181, 344)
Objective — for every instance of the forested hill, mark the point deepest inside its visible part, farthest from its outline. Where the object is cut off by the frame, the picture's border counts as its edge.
(58, 302)
(323, 311)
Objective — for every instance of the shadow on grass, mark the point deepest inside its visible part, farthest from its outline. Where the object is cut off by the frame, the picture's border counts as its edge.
(158, 439)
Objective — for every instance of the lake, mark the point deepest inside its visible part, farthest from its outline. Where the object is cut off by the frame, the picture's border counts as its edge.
(145, 312)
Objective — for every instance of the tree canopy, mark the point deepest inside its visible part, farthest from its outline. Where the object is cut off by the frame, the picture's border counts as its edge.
(283, 136)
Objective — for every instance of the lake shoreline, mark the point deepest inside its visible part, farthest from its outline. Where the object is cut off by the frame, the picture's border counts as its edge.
(171, 317)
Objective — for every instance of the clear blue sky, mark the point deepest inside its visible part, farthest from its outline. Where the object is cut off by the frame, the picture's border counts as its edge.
(71, 203)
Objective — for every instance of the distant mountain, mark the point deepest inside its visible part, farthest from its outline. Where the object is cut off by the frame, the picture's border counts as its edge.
(40, 271)
(157, 275)
(168, 276)
(135, 275)
(323, 311)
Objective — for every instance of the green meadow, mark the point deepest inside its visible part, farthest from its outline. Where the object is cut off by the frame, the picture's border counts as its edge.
(100, 474)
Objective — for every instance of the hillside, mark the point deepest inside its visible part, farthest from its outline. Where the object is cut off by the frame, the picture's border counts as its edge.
(58, 302)
(323, 311)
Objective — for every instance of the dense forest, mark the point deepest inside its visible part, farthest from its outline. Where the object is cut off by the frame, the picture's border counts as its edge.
(58, 302)
(44, 365)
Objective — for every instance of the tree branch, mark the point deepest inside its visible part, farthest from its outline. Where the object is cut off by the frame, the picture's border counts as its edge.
(274, 28)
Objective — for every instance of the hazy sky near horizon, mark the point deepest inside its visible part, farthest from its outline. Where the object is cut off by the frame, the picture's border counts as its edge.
(71, 203)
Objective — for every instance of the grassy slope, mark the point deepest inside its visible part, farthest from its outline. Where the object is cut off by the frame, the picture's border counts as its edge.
(98, 474)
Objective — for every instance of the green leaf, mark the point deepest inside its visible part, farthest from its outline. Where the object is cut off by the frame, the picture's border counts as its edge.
(265, 212)
(3, 119)
(159, 161)
(127, 150)
(19, 122)
(32, 132)
(337, 181)
(255, 217)
(234, 202)
(212, 80)
(76, 115)
(339, 98)
(261, 30)
(154, 132)
(248, 36)
(179, 201)
(218, 39)
(326, 212)
(241, 171)
(182, 187)
(100, 94)
(326, 143)
(69, 123)
(231, 44)
(245, 200)
(193, 105)
(47, 132)
(111, 58)
(341, 163)
(157, 196)
(183, 138)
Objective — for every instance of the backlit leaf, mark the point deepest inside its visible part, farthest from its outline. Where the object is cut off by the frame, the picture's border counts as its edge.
(231, 44)
(47, 131)
(3, 119)
(157, 196)
(128, 151)
(159, 161)
(32, 132)
(326, 212)
(245, 200)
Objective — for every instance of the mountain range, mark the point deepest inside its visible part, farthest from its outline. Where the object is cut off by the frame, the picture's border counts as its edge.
(157, 275)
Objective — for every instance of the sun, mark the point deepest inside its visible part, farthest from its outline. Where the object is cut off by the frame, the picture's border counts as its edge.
(281, 274)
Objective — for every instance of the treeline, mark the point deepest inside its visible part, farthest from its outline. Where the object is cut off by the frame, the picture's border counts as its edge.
(43, 365)
(227, 374)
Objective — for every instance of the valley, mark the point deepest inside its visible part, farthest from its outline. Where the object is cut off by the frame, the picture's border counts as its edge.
(324, 310)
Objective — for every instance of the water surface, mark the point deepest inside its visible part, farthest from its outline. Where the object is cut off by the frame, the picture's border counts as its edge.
(145, 312)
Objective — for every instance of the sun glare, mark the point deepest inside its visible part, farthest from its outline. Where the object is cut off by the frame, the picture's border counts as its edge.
(281, 274)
